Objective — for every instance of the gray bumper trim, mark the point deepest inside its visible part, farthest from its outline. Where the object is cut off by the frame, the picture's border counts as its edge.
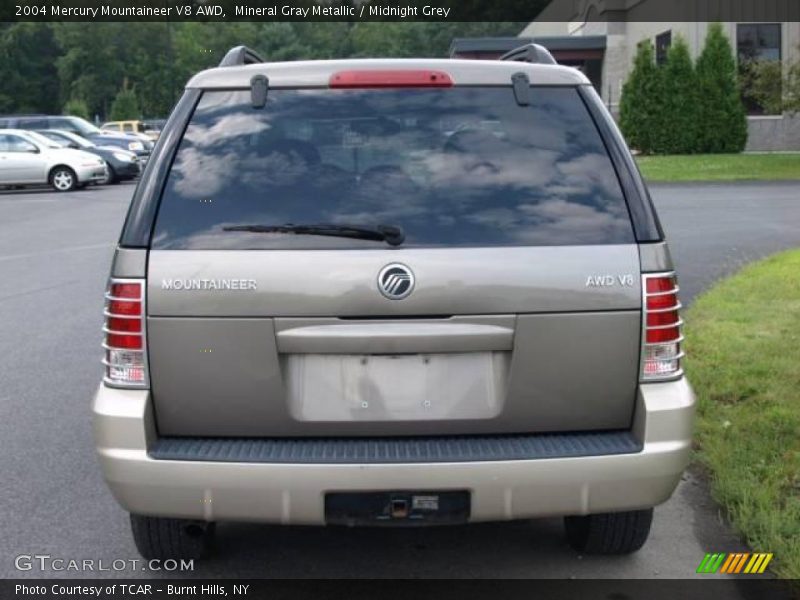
(395, 450)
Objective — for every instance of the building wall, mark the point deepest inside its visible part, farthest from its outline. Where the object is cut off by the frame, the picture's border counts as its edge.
(773, 133)
(537, 28)
(776, 132)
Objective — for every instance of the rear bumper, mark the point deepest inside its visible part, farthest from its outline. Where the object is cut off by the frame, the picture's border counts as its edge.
(293, 493)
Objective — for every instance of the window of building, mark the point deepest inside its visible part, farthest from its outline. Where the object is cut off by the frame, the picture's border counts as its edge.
(754, 42)
(663, 42)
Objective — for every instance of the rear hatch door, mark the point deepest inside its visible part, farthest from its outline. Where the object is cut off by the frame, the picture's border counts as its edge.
(512, 303)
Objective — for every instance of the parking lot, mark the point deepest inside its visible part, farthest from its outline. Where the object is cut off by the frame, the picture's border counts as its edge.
(55, 252)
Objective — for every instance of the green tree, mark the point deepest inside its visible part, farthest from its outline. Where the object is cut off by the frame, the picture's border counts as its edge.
(44, 65)
(125, 105)
(678, 127)
(403, 39)
(199, 45)
(92, 61)
(640, 106)
(149, 67)
(323, 40)
(77, 107)
(721, 123)
(28, 74)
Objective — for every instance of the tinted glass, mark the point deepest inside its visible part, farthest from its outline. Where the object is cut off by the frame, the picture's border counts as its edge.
(52, 135)
(13, 143)
(57, 138)
(33, 123)
(663, 44)
(465, 166)
(757, 42)
(68, 138)
(42, 140)
(75, 125)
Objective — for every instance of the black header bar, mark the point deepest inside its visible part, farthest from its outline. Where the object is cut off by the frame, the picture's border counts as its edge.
(570, 11)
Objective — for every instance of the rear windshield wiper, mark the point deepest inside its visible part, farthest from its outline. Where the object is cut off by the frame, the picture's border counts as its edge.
(391, 234)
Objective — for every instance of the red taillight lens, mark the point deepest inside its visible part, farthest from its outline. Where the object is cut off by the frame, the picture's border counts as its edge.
(658, 319)
(661, 352)
(128, 342)
(126, 290)
(659, 336)
(662, 301)
(657, 285)
(124, 307)
(390, 79)
(124, 334)
(120, 325)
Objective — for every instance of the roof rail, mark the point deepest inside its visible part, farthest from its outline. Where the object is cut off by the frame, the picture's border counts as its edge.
(532, 53)
(15, 115)
(240, 55)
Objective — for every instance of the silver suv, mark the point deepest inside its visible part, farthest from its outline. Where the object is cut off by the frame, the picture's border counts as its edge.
(391, 292)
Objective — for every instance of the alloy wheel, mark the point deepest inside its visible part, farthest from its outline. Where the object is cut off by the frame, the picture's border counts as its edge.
(63, 180)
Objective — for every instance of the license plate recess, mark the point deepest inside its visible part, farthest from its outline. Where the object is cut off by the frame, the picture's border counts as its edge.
(399, 508)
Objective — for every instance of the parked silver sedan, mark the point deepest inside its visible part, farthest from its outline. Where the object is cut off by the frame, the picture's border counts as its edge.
(27, 158)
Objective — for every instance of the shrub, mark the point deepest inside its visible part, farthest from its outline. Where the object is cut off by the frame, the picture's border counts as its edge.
(678, 127)
(77, 107)
(678, 108)
(639, 106)
(722, 122)
(125, 105)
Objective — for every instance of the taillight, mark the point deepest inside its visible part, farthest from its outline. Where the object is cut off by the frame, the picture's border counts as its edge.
(661, 336)
(124, 334)
(390, 78)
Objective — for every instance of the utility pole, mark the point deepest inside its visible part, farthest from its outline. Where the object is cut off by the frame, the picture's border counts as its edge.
(170, 59)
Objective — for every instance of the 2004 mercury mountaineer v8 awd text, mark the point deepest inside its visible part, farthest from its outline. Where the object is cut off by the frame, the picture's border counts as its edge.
(391, 292)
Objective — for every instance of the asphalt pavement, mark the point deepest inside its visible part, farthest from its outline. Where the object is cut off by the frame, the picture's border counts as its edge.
(55, 252)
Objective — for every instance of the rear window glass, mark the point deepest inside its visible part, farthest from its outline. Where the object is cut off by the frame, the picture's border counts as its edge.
(463, 166)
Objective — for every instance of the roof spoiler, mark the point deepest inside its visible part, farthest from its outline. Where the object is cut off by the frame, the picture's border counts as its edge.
(240, 55)
(531, 53)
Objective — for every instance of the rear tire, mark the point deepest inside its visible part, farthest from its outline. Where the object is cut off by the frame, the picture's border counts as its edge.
(63, 179)
(609, 533)
(163, 538)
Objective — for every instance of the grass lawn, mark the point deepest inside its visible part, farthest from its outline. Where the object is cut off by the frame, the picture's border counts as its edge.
(720, 167)
(743, 346)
